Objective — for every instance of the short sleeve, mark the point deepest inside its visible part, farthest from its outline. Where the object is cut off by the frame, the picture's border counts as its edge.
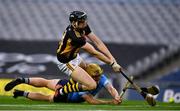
(83, 93)
(87, 30)
(104, 80)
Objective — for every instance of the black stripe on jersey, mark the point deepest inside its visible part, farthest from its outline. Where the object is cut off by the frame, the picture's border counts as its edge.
(78, 42)
(64, 44)
(72, 53)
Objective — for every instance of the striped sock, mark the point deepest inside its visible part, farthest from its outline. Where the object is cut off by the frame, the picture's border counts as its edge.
(71, 86)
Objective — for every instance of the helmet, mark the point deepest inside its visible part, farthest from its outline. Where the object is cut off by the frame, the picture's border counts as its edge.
(77, 16)
(94, 69)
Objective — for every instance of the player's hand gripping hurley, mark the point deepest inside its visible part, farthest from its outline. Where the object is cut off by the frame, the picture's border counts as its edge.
(115, 66)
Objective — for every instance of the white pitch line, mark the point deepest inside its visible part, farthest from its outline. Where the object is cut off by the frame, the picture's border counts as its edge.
(48, 105)
(89, 110)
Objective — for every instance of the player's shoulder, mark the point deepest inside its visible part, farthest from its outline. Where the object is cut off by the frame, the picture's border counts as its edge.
(69, 29)
(104, 80)
(103, 76)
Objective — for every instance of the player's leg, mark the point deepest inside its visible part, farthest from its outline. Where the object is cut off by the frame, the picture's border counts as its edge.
(57, 96)
(33, 95)
(83, 65)
(52, 84)
(40, 97)
(84, 78)
(37, 82)
(81, 79)
(84, 82)
(42, 82)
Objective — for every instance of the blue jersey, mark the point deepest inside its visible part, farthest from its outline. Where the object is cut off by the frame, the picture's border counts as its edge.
(77, 96)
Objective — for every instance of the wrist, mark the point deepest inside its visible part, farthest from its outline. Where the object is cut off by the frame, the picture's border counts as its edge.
(112, 63)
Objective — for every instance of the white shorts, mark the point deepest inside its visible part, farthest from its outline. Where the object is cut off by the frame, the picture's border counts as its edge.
(67, 68)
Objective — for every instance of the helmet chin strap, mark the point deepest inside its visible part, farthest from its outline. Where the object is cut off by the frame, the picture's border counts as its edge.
(75, 24)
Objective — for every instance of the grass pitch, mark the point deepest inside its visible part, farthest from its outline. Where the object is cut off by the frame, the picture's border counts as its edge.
(9, 103)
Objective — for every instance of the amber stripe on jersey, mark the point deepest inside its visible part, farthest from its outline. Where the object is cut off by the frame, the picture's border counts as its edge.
(70, 66)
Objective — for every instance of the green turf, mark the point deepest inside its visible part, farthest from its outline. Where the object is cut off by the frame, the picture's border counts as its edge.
(9, 103)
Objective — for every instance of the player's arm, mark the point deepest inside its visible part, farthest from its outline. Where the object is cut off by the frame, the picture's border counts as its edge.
(91, 100)
(102, 47)
(113, 92)
(90, 49)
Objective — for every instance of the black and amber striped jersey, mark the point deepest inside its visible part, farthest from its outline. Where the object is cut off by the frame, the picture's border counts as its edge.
(71, 43)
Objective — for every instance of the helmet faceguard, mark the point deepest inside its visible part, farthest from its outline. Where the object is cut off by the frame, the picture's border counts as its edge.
(77, 16)
(78, 19)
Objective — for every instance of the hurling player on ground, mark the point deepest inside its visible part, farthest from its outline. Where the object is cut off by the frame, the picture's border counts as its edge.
(93, 70)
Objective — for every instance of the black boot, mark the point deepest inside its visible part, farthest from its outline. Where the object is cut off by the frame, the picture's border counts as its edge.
(17, 93)
(13, 83)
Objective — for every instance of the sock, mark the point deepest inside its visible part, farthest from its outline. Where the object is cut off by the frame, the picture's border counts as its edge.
(24, 80)
(25, 94)
(71, 86)
(21, 93)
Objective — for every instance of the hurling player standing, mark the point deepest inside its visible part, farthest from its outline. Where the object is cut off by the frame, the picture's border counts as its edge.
(74, 39)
